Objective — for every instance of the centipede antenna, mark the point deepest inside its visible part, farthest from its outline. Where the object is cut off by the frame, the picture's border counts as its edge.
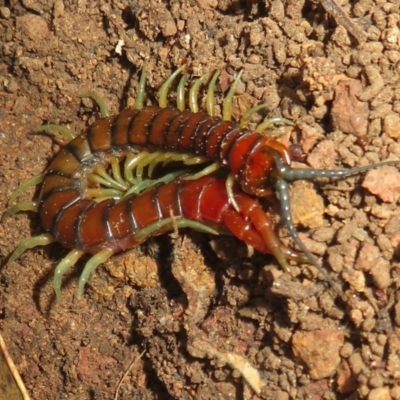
(99, 258)
(68, 261)
(282, 189)
(210, 98)
(166, 86)
(227, 103)
(194, 93)
(293, 174)
(245, 119)
(30, 243)
(21, 206)
(66, 133)
(35, 180)
(141, 90)
(180, 93)
(104, 111)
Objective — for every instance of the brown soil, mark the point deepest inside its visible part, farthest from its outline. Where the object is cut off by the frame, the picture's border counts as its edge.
(293, 334)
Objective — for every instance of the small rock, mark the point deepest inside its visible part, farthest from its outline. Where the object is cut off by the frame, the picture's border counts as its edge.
(319, 350)
(384, 182)
(349, 115)
(346, 380)
(382, 393)
(34, 26)
(5, 12)
(306, 205)
(391, 125)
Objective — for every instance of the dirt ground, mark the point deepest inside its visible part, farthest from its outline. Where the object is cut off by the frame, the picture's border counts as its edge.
(196, 316)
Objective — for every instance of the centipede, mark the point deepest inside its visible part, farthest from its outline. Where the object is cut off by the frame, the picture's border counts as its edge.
(98, 195)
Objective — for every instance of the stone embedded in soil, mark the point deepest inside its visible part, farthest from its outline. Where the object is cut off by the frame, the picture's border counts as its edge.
(397, 313)
(348, 114)
(314, 390)
(393, 359)
(34, 27)
(356, 280)
(382, 393)
(384, 183)
(310, 135)
(319, 350)
(370, 260)
(391, 125)
(324, 156)
(346, 380)
(306, 205)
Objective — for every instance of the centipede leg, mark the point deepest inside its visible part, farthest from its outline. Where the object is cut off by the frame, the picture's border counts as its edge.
(245, 119)
(116, 171)
(68, 261)
(141, 91)
(21, 206)
(66, 133)
(30, 243)
(210, 98)
(227, 103)
(104, 111)
(166, 86)
(269, 124)
(194, 93)
(101, 194)
(206, 171)
(140, 160)
(230, 180)
(101, 176)
(148, 183)
(138, 163)
(167, 223)
(35, 180)
(99, 258)
(180, 93)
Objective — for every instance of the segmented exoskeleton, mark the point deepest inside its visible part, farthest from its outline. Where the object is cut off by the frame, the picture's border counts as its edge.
(143, 138)
(79, 207)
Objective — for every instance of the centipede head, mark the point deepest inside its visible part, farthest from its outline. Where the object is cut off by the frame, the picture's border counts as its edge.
(260, 171)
